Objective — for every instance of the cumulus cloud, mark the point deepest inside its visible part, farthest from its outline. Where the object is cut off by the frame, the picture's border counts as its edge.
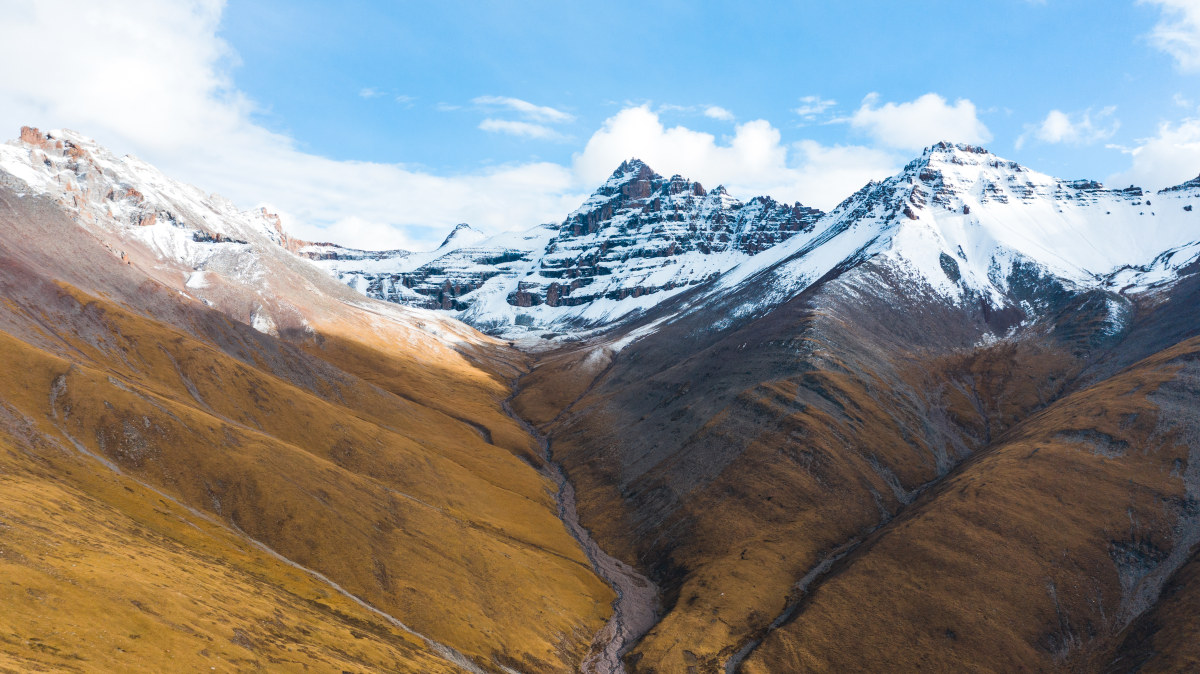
(811, 106)
(1178, 31)
(916, 124)
(529, 110)
(717, 112)
(155, 82)
(1073, 129)
(1170, 157)
(520, 129)
(753, 162)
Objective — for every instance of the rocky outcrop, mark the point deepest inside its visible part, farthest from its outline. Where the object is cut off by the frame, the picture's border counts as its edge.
(639, 239)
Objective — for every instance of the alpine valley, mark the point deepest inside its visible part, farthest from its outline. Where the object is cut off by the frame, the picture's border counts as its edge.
(951, 425)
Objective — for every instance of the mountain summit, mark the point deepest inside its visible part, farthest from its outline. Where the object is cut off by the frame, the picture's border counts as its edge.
(960, 219)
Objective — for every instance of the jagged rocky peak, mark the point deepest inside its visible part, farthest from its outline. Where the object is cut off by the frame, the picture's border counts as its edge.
(635, 197)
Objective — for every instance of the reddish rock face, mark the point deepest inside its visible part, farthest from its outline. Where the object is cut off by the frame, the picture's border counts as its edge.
(32, 136)
(78, 153)
(148, 219)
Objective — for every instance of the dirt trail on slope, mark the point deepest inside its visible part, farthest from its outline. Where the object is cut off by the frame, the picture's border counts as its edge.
(635, 609)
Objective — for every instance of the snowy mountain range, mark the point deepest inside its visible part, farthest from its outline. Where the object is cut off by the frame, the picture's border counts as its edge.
(958, 218)
(970, 225)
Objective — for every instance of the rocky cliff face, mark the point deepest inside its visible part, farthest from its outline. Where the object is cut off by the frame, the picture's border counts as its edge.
(639, 239)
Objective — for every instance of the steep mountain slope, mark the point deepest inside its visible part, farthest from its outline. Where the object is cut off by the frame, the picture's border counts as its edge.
(1043, 551)
(343, 456)
(738, 440)
(638, 240)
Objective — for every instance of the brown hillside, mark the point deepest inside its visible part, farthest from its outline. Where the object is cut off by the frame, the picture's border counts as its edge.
(399, 477)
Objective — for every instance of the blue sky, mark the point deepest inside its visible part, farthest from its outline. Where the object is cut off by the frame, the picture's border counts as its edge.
(1016, 60)
(381, 124)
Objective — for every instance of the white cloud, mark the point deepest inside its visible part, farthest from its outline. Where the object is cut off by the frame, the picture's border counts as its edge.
(520, 129)
(1073, 129)
(717, 112)
(752, 162)
(375, 92)
(811, 106)
(155, 82)
(1169, 158)
(1178, 31)
(916, 124)
(540, 113)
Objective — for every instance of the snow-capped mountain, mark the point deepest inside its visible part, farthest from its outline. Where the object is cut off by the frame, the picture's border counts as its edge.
(639, 239)
(967, 224)
(958, 218)
(973, 226)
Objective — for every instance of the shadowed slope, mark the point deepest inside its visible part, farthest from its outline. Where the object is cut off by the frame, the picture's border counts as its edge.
(735, 465)
(1035, 555)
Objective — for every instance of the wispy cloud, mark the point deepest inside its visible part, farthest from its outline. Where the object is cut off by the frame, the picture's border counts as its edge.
(539, 113)
(1178, 31)
(1073, 129)
(717, 112)
(375, 92)
(521, 129)
(811, 106)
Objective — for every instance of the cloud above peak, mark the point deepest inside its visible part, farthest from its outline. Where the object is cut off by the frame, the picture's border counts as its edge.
(1073, 129)
(916, 124)
(754, 161)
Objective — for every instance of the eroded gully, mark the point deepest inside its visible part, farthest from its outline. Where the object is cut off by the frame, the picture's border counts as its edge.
(635, 610)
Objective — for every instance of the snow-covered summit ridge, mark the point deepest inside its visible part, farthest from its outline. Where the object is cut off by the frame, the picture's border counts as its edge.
(982, 209)
(957, 218)
(637, 240)
(462, 235)
(977, 227)
(103, 190)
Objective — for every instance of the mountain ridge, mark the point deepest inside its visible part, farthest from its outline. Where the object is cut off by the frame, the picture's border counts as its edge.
(967, 251)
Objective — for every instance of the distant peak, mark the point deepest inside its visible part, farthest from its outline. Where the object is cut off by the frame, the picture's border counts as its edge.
(633, 168)
(946, 147)
(1194, 183)
(462, 233)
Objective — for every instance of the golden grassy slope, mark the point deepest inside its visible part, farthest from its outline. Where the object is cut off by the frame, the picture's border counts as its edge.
(102, 574)
(392, 498)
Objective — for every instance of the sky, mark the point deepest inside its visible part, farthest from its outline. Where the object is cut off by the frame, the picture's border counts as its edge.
(382, 124)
